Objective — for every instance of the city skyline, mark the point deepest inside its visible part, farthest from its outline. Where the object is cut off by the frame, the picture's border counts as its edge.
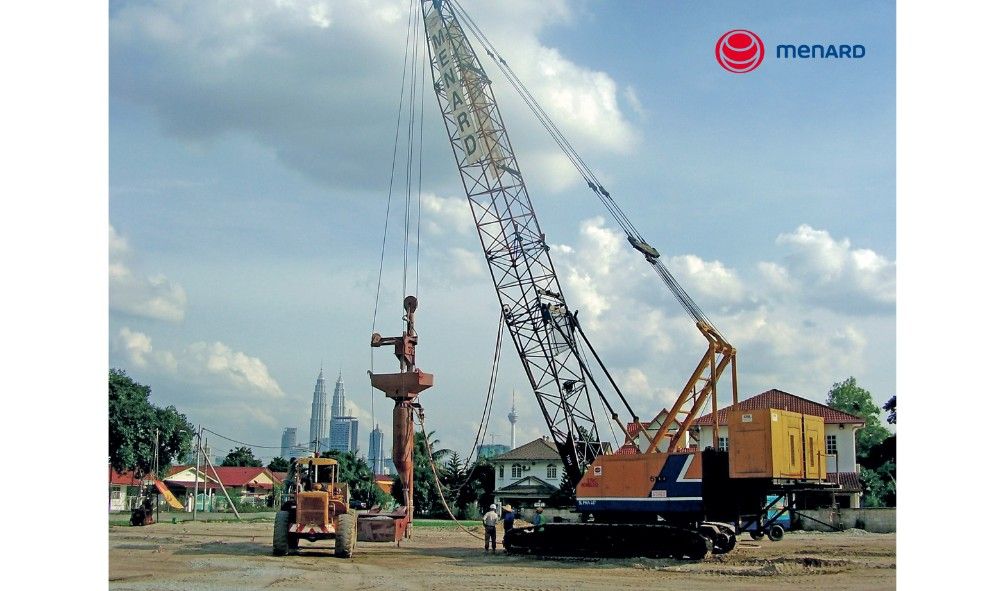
(342, 429)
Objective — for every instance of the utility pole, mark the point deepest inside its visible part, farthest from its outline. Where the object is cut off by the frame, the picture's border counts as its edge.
(198, 457)
(207, 464)
(222, 487)
(156, 470)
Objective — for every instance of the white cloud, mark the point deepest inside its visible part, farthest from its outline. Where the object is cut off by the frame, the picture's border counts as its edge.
(579, 100)
(464, 264)
(787, 334)
(218, 363)
(545, 167)
(636, 382)
(633, 101)
(832, 273)
(136, 346)
(801, 352)
(364, 416)
(152, 296)
(710, 281)
(138, 349)
(207, 367)
(317, 82)
(775, 277)
(442, 214)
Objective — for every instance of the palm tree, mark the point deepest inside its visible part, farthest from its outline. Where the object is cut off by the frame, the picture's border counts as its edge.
(437, 454)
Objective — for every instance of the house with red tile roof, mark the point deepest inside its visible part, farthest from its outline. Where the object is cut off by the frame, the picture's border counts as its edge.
(640, 434)
(118, 488)
(839, 428)
(249, 482)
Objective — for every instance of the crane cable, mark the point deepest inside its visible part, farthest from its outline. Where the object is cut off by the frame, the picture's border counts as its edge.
(479, 437)
(386, 220)
(538, 111)
(490, 397)
(435, 478)
(413, 35)
(410, 61)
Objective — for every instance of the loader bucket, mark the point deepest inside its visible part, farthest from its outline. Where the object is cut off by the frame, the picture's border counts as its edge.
(382, 527)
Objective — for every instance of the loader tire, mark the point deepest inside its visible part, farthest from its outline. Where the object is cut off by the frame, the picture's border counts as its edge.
(345, 538)
(280, 531)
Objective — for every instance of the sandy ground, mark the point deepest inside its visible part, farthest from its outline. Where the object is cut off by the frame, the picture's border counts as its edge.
(219, 555)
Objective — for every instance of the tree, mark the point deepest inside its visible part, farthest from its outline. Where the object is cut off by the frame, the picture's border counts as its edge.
(426, 497)
(355, 472)
(279, 464)
(453, 473)
(437, 454)
(134, 424)
(879, 485)
(851, 398)
(480, 488)
(565, 495)
(241, 456)
(875, 445)
(466, 488)
(890, 407)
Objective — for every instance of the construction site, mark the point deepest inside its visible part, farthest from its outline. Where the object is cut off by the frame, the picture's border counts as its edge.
(207, 556)
(720, 489)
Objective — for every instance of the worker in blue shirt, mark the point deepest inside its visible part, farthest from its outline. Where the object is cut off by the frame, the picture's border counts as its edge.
(508, 519)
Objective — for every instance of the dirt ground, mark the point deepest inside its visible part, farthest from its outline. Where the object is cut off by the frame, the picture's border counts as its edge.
(223, 555)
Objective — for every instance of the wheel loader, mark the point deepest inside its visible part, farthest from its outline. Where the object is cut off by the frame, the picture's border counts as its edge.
(315, 506)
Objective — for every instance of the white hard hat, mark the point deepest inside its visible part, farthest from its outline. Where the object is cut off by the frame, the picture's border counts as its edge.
(492, 506)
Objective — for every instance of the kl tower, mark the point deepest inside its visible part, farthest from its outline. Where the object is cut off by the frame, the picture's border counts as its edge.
(512, 422)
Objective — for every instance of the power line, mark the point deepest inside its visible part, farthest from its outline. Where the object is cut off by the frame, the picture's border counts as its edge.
(244, 443)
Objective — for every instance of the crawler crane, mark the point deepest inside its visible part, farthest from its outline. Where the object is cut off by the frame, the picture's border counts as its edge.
(651, 500)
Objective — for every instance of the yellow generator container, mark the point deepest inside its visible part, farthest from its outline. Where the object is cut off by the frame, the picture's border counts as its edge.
(766, 443)
(815, 456)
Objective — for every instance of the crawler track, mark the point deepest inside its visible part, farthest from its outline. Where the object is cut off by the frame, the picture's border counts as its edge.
(613, 540)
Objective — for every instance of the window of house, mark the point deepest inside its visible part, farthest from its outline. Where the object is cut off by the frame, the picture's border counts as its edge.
(791, 443)
(517, 471)
(831, 444)
(552, 471)
(723, 443)
(116, 494)
(812, 452)
(501, 471)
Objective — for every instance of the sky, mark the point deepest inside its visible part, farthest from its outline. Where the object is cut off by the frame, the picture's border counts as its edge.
(250, 154)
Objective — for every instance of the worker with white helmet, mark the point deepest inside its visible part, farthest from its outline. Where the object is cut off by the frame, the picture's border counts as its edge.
(489, 521)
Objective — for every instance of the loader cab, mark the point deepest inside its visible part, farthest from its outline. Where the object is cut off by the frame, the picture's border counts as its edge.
(316, 474)
(313, 493)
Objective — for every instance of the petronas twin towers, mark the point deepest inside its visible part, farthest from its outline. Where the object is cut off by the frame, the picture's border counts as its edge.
(332, 428)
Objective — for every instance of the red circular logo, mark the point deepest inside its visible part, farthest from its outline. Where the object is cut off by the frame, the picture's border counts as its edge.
(739, 51)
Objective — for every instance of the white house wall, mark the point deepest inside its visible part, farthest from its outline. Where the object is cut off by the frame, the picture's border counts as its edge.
(538, 468)
(706, 435)
(846, 456)
(117, 498)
